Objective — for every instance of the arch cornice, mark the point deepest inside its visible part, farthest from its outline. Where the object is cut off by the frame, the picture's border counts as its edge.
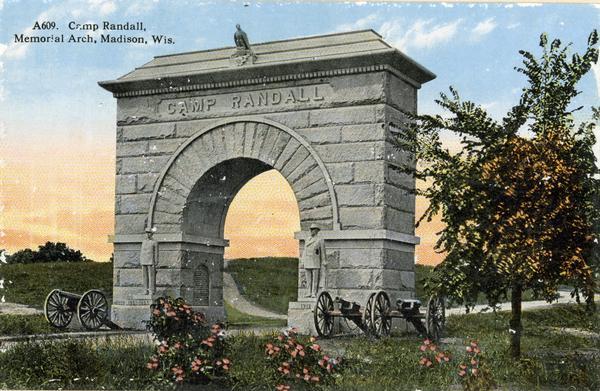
(218, 124)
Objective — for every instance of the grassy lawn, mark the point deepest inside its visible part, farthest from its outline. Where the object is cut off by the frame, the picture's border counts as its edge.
(31, 283)
(551, 359)
(269, 282)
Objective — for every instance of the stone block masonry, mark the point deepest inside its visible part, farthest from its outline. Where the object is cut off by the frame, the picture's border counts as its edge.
(192, 129)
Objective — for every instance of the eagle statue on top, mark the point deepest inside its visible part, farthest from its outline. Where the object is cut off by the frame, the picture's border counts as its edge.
(243, 52)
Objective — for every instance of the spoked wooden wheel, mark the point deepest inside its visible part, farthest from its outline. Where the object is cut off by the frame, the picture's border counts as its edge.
(92, 309)
(380, 319)
(367, 316)
(436, 317)
(56, 309)
(322, 315)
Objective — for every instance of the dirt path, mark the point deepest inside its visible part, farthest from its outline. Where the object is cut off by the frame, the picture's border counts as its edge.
(18, 309)
(565, 298)
(233, 296)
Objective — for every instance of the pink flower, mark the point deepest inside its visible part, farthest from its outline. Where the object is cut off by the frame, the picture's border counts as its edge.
(461, 373)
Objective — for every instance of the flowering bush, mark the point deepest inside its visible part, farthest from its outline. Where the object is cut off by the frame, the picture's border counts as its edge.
(300, 360)
(473, 373)
(431, 355)
(187, 350)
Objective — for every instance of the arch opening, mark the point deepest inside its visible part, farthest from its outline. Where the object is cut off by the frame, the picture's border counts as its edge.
(262, 219)
(197, 186)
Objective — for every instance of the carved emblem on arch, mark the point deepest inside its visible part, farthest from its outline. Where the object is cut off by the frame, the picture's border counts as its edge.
(267, 142)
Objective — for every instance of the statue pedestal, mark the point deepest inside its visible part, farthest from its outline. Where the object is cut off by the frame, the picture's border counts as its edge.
(300, 315)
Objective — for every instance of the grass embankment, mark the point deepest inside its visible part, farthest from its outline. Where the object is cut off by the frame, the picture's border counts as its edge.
(268, 282)
(31, 283)
(552, 359)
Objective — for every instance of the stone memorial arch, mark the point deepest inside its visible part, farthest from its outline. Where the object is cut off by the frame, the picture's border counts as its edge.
(193, 128)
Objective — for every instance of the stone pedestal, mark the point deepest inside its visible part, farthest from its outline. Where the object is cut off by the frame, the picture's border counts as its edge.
(300, 315)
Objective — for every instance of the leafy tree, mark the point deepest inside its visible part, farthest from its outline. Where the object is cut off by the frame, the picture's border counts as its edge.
(22, 256)
(517, 197)
(49, 252)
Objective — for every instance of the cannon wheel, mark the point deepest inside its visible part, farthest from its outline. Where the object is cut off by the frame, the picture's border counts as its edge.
(92, 309)
(56, 309)
(367, 315)
(436, 317)
(322, 315)
(380, 319)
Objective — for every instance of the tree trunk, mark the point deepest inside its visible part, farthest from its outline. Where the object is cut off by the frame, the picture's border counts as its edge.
(515, 321)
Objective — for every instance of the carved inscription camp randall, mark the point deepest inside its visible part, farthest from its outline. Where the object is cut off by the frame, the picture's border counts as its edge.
(244, 100)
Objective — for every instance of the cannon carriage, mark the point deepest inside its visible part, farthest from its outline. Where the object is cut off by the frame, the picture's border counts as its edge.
(92, 309)
(375, 318)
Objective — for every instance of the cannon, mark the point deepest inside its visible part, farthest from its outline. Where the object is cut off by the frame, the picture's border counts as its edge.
(91, 307)
(376, 317)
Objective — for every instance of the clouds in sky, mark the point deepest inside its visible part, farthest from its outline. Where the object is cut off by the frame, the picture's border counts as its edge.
(421, 33)
(483, 28)
(360, 24)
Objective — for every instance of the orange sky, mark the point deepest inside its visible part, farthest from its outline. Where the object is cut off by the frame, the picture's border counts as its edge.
(67, 194)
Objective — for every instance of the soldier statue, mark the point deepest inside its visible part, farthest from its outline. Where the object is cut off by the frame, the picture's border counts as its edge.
(313, 258)
(148, 258)
(241, 39)
(243, 52)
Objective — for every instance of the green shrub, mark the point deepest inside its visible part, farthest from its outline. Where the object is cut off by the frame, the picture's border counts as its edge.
(49, 252)
(115, 363)
(24, 325)
(56, 364)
